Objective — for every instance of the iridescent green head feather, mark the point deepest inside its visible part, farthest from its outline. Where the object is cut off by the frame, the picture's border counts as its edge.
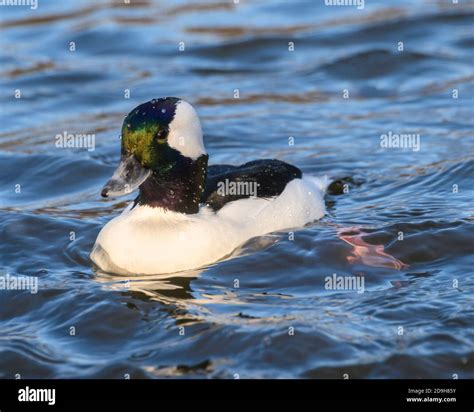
(145, 131)
(163, 155)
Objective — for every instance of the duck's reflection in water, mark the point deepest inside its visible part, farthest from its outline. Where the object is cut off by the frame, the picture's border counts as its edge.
(172, 289)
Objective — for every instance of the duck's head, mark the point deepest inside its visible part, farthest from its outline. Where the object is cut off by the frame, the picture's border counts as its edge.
(157, 137)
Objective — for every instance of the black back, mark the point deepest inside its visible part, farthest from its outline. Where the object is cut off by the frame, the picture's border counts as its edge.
(270, 175)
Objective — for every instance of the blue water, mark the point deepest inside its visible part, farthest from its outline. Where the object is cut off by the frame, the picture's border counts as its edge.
(346, 83)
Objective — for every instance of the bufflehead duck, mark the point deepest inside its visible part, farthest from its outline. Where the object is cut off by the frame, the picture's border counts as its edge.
(188, 214)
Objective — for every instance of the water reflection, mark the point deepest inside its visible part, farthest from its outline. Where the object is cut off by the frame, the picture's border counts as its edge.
(168, 289)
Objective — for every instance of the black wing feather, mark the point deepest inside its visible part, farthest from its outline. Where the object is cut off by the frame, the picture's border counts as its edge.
(271, 176)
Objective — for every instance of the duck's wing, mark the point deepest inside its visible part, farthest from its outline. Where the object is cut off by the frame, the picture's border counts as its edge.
(263, 178)
(216, 170)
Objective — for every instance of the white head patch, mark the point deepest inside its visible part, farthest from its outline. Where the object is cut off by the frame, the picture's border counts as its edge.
(185, 133)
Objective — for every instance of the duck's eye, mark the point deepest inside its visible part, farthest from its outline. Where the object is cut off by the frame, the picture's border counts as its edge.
(161, 136)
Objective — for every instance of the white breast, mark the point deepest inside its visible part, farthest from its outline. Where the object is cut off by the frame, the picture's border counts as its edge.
(146, 240)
